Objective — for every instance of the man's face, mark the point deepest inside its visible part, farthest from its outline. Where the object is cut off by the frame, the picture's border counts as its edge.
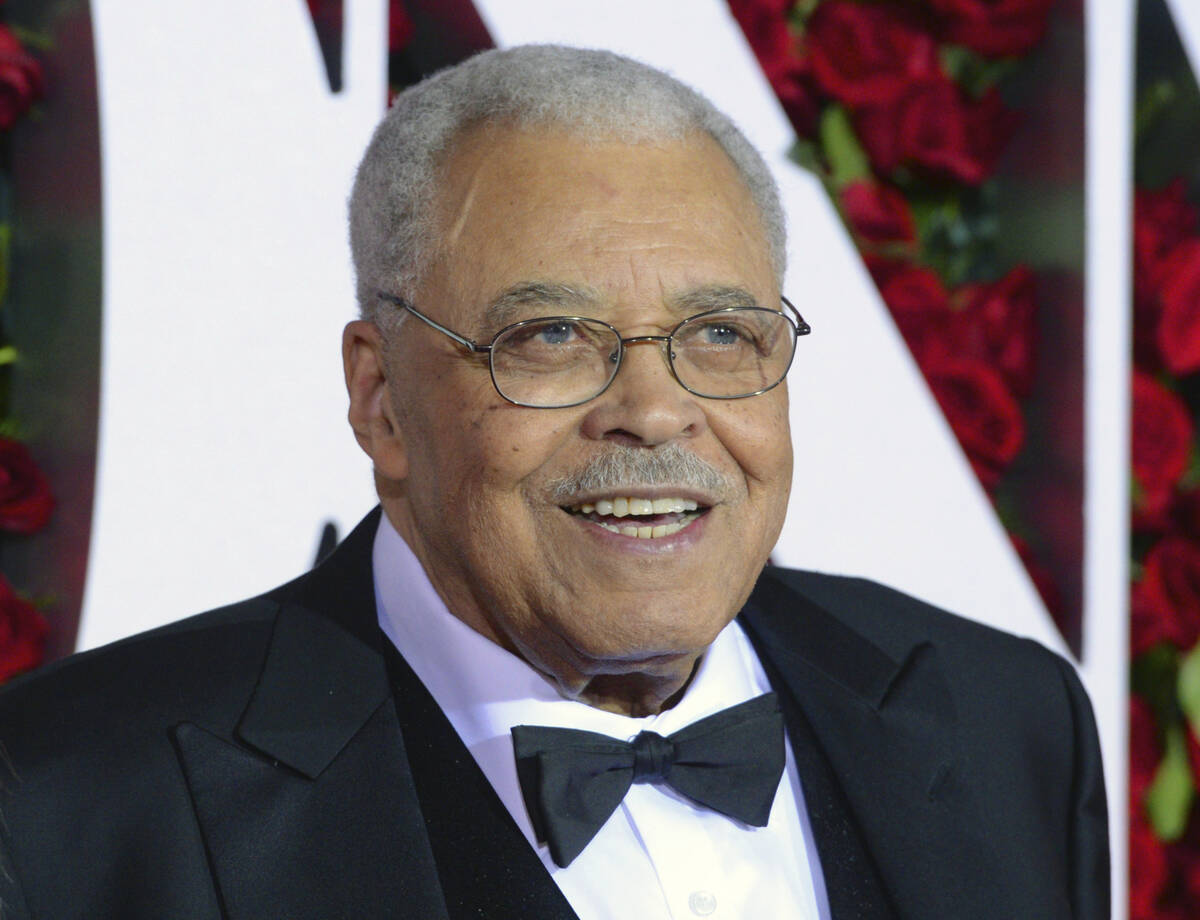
(644, 236)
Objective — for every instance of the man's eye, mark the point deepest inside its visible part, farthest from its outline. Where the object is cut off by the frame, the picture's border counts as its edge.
(556, 334)
(723, 334)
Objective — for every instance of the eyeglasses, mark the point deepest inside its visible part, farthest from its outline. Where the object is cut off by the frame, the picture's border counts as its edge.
(555, 362)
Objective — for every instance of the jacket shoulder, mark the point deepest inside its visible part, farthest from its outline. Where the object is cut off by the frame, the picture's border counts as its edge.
(894, 620)
(994, 677)
(202, 667)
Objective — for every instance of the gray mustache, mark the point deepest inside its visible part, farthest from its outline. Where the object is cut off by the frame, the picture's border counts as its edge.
(621, 467)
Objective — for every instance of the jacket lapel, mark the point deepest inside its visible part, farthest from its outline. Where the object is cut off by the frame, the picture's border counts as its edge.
(486, 866)
(307, 806)
(888, 728)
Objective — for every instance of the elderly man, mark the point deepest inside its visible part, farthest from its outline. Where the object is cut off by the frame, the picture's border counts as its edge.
(552, 679)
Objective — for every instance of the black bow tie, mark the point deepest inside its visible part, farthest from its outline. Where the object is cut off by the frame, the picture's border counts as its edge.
(573, 780)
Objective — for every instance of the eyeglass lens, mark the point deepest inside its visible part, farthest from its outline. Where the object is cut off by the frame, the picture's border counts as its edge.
(562, 361)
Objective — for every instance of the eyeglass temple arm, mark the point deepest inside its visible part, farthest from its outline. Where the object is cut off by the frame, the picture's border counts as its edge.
(802, 328)
(462, 340)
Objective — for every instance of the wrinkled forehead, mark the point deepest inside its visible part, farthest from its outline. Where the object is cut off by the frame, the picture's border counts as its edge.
(523, 216)
(536, 159)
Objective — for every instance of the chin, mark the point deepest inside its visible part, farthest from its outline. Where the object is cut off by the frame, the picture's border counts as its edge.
(644, 644)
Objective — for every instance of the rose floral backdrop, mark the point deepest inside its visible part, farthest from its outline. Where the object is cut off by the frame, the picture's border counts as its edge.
(26, 498)
(1164, 817)
(898, 109)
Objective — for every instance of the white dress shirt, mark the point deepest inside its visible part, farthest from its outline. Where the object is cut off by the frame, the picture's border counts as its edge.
(659, 857)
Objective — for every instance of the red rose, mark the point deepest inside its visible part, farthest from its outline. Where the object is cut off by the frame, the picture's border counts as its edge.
(792, 80)
(921, 308)
(1159, 450)
(22, 633)
(878, 213)
(1178, 334)
(998, 326)
(936, 130)
(1185, 513)
(996, 28)
(1164, 879)
(400, 27)
(21, 79)
(1149, 871)
(765, 24)
(1165, 605)
(882, 268)
(985, 417)
(1186, 866)
(1161, 221)
(1144, 751)
(868, 53)
(25, 499)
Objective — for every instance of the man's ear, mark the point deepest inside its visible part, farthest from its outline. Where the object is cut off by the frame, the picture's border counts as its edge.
(371, 414)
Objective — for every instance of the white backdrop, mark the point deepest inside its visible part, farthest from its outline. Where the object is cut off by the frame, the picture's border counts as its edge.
(223, 443)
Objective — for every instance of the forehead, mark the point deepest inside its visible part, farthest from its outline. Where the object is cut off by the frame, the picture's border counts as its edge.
(620, 224)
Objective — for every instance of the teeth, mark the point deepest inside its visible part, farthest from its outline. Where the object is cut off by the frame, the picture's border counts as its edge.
(621, 507)
(648, 533)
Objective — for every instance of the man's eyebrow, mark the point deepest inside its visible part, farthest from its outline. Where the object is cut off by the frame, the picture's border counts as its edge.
(548, 297)
(711, 297)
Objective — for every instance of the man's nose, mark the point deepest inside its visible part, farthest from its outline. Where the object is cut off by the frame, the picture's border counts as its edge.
(645, 405)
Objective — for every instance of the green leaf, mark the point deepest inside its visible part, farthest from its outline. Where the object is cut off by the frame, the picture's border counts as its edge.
(808, 155)
(39, 41)
(847, 160)
(1191, 475)
(1169, 798)
(1188, 688)
(801, 12)
(1155, 99)
(972, 71)
(958, 61)
(8, 355)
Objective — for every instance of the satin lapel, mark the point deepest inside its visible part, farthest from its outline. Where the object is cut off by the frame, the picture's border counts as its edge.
(307, 807)
(888, 729)
(486, 866)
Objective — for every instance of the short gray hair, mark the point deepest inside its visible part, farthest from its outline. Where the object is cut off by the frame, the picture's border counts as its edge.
(593, 94)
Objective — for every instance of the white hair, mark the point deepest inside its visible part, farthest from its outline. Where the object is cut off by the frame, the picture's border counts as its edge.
(593, 94)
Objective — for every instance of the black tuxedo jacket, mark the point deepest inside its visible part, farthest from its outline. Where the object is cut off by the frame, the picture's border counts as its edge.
(274, 759)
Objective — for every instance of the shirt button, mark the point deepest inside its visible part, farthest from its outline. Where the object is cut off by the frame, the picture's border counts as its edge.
(702, 903)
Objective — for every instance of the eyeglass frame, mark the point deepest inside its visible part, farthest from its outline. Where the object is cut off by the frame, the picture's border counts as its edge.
(799, 328)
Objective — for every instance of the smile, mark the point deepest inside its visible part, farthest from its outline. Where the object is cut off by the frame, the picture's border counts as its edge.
(644, 518)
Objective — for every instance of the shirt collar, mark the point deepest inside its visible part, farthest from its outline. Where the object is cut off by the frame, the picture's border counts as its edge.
(485, 690)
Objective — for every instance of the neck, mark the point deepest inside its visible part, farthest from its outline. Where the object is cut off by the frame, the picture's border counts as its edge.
(634, 695)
